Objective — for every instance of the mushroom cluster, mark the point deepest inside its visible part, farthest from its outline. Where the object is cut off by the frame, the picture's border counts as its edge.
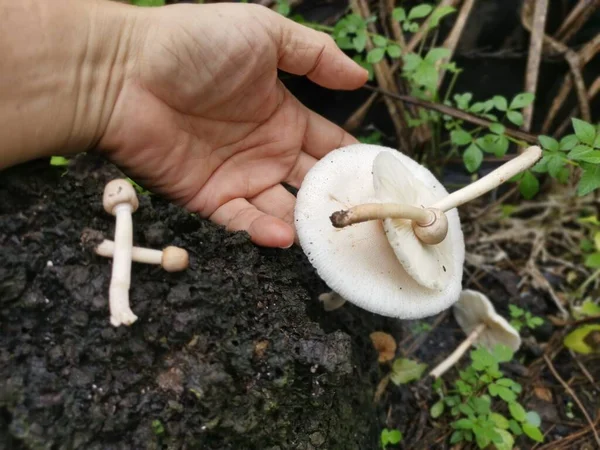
(384, 233)
(120, 200)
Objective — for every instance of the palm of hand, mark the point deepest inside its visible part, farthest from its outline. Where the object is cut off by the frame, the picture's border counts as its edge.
(205, 121)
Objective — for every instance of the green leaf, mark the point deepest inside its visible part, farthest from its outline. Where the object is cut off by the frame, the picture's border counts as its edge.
(521, 100)
(472, 158)
(587, 309)
(420, 11)
(533, 418)
(411, 62)
(394, 51)
(481, 404)
(500, 103)
(576, 339)
(482, 439)
(514, 426)
(507, 441)
(406, 370)
(375, 55)
(435, 54)
(148, 2)
(534, 433)
(499, 420)
(463, 424)
(493, 143)
(503, 392)
(398, 14)
(584, 131)
(515, 117)
(585, 153)
(283, 7)
(460, 137)
(466, 409)
(388, 437)
(497, 128)
(59, 161)
(463, 100)
(556, 162)
(438, 14)
(380, 41)
(502, 353)
(549, 143)
(529, 185)
(360, 41)
(568, 142)
(517, 411)
(437, 409)
(590, 179)
(457, 436)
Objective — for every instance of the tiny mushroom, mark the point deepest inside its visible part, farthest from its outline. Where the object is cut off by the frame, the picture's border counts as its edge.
(120, 200)
(385, 345)
(171, 258)
(476, 316)
(331, 301)
(384, 233)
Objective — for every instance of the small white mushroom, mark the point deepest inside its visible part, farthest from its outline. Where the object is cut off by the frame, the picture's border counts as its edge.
(120, 200)
(331, 301)
(171, 258)
(476, 316)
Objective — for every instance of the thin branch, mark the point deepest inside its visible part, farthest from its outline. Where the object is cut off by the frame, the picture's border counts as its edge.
(535, 55)
(572, 394)
(385, 79)
(452, 40)
(578, 16)
(454, 112)
(422, 32)
(592, 92)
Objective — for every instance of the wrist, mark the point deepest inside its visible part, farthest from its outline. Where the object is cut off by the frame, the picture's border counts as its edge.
(69, 59)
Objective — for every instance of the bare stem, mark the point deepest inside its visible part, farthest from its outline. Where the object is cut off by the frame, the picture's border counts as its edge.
(491, 181)
(446, 364)
(138, 254)
(120, 311)
(379, 211)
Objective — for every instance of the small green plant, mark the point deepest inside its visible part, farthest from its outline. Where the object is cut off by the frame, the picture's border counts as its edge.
(390, 437)
(148, 2)
(578, 150)
(591, 244)
(59, 161)
(406, 370)
(520, 318)
(478, 399)
(157, 427)
(372, 138)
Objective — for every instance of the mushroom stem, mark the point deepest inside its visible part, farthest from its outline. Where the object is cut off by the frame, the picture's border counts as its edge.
(457, 354)
(375, 211)
(120, 311)
(138, 254)
(492, 180)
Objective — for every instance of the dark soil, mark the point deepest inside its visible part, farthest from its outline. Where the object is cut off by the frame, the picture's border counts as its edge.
(228, 354)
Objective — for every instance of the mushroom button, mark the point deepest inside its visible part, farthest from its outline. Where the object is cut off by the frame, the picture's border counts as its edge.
(476, 316)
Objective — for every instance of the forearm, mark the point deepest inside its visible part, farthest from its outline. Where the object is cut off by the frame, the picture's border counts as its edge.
(63, 63)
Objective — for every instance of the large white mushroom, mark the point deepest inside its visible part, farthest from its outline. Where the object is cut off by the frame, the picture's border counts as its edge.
(384, 233)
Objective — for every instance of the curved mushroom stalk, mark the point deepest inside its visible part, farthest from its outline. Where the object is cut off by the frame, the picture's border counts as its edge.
(476, 316)
(394, 182)
(332, 301)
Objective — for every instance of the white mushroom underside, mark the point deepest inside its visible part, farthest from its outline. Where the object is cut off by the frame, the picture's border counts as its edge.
(357, 261)
(474, 308)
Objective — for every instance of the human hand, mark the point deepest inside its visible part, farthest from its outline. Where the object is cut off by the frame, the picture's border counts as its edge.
(203, 119)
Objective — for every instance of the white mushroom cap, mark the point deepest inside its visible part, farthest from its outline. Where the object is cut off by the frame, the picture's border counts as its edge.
(357, 261)
(474, 308)
(117, 192)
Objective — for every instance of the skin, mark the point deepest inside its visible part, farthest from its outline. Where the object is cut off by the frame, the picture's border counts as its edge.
(184, 98)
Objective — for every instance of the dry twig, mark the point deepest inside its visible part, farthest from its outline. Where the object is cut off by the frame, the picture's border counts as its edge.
(592, 92)
(579, 15)
(535, 55)
(454, 112)
(574, 396)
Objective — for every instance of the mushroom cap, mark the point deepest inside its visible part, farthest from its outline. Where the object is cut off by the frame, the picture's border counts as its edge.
(174, 259)
(119, 191)
(474, 308)
(358, 261)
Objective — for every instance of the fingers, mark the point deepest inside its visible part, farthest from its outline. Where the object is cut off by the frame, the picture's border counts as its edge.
(276, 201)
(264, 230)
(322, 136)
(304, 51)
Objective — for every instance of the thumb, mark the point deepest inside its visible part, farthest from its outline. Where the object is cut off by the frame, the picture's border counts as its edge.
(304, 51)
